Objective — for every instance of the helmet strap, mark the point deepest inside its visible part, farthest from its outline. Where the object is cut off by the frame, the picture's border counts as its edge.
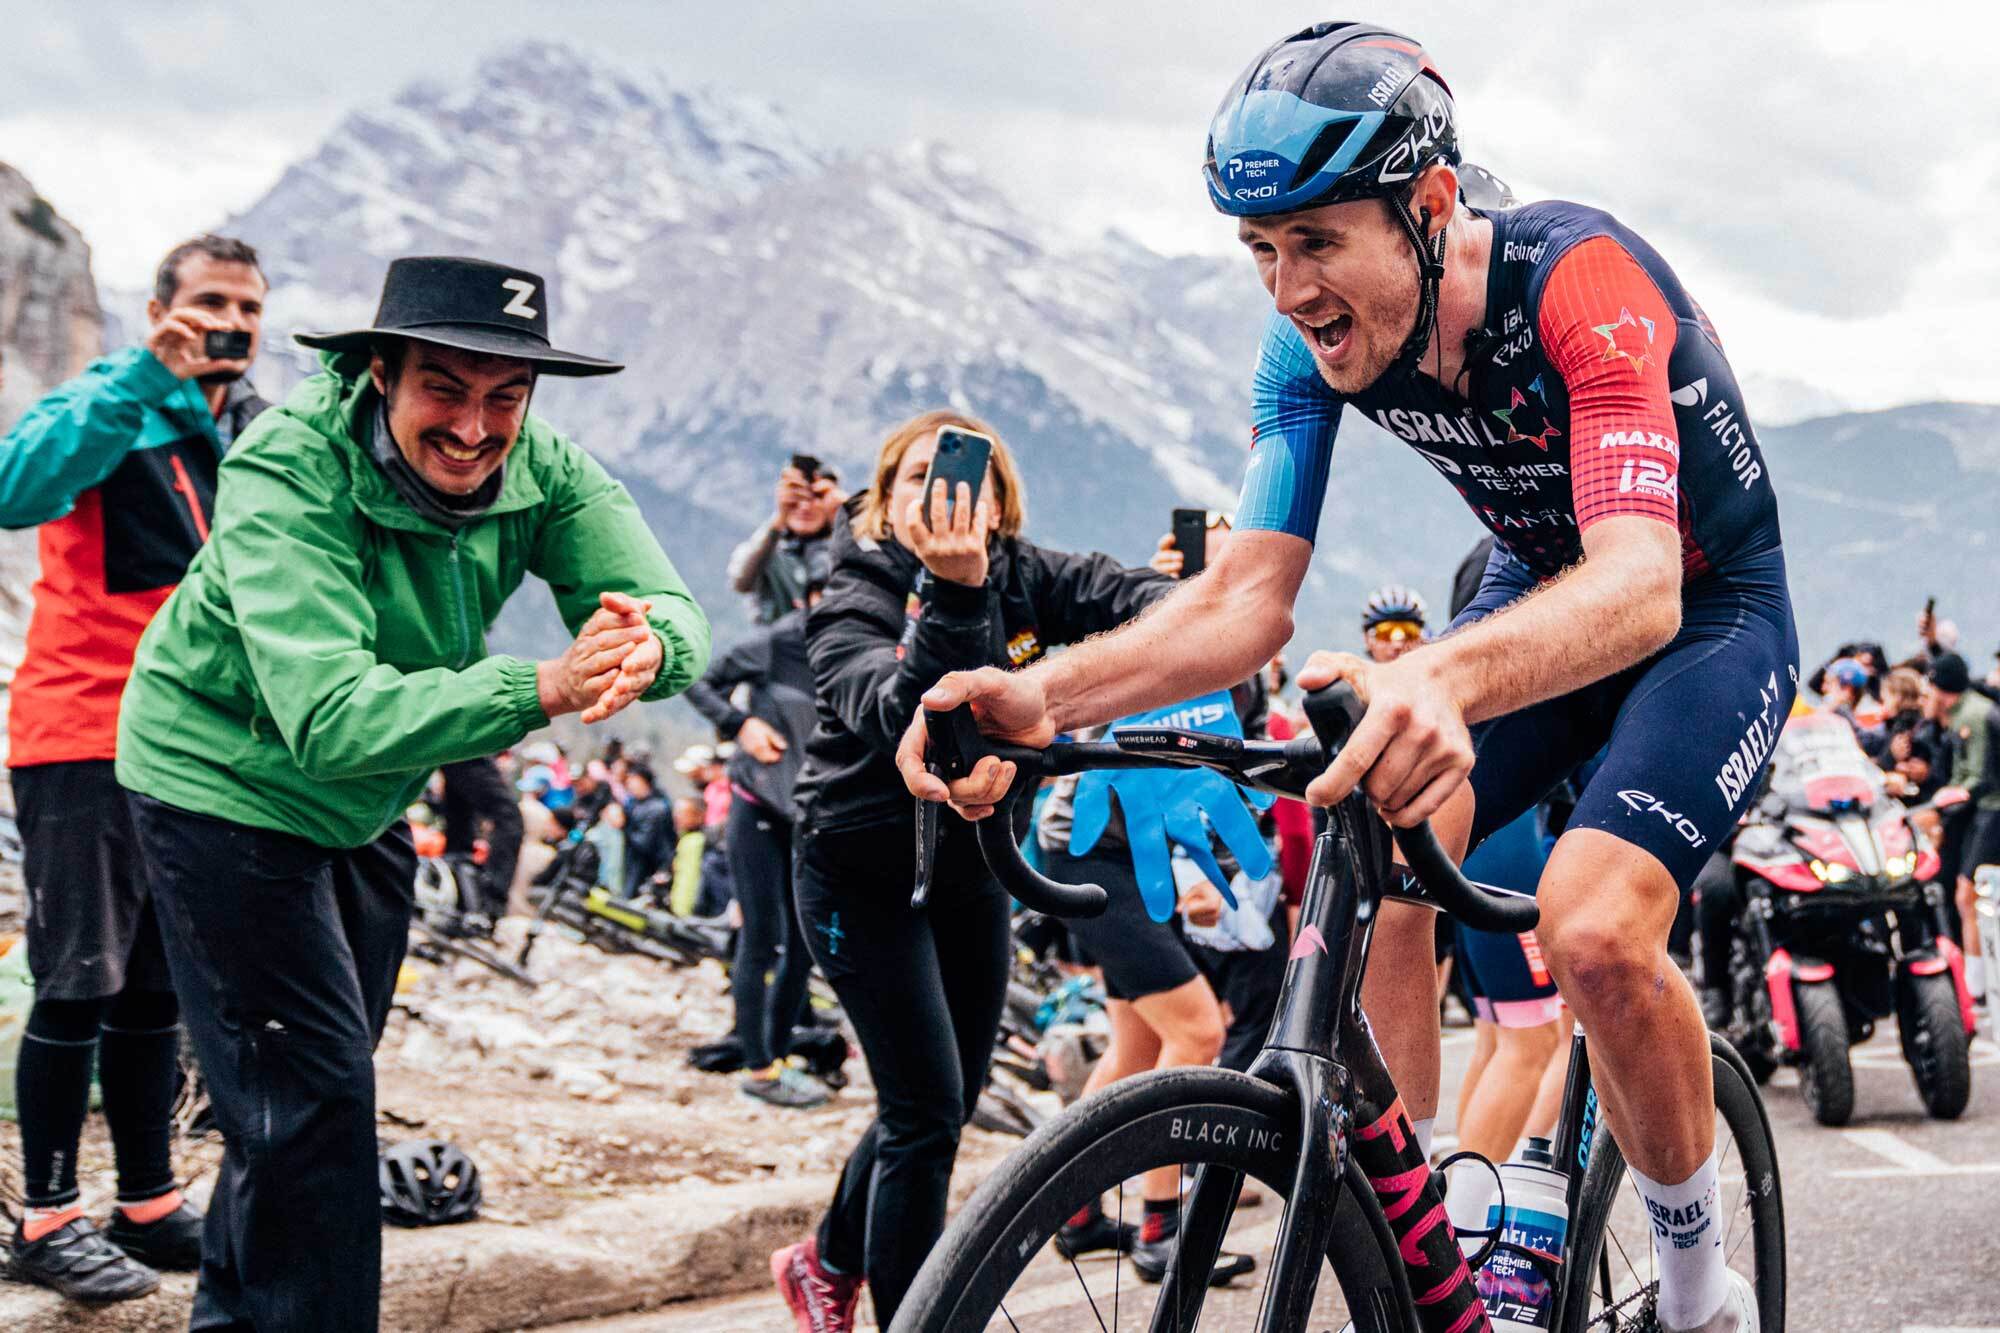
(1430, 276)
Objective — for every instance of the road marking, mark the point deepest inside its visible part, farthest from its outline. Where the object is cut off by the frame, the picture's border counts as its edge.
(1910, 1160)
(1884, 1143)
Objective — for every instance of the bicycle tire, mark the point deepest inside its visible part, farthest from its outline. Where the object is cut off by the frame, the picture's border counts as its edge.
(1112, 1137)
(1762, 1195)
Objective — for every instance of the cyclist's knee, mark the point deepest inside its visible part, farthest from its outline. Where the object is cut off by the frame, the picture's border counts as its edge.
(1535, 1044)
(1602, 955)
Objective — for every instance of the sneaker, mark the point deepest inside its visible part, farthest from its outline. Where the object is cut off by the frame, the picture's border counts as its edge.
(171, 1244)
(820, 1301)
(1095, 1233)
(1150, 1259)
(1716, 1010)
(718, 1057)
(76, 1260)
(782, 1085)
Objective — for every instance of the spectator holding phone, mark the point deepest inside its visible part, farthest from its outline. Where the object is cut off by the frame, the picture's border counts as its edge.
(923, 583)
(118, 469)
(790, 552)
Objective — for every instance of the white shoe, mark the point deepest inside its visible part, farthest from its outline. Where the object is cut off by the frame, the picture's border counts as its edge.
(1739, 1308)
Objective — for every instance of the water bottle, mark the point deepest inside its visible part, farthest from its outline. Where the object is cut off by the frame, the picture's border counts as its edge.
(1517, 1296)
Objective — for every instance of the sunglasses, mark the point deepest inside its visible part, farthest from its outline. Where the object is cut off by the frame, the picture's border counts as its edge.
(1395, 631)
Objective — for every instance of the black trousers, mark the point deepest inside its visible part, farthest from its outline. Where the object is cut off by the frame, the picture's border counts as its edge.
(924, 991)
(768, 981)
(478, 803)
(284, 956)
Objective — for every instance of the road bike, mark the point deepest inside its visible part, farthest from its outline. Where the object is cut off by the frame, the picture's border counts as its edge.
(1316, 1119)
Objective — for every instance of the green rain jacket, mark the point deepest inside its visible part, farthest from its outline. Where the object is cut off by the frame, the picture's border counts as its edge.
(327, 649)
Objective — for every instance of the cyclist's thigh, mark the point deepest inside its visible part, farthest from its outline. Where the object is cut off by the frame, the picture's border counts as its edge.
(1694, 733)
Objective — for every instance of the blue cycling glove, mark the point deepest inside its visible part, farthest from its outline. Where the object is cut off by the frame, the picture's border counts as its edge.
(1165, 807)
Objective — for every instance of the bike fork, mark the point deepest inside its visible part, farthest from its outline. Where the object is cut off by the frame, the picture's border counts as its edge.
(1319, 1089)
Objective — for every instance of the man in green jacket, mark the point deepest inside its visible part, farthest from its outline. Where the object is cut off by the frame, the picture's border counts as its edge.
(324, 654)
(1972, 837)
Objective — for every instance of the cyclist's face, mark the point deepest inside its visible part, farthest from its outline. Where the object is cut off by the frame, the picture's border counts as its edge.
(1344, 275)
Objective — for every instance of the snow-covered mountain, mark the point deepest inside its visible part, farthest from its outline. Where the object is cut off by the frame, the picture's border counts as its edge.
(772, 294)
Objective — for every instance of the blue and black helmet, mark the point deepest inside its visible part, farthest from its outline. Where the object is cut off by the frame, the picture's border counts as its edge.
(1338, 112)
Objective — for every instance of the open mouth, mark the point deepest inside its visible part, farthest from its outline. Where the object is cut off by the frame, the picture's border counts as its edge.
(1331, 337)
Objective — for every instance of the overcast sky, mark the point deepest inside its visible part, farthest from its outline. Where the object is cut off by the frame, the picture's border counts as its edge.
(1824, 176)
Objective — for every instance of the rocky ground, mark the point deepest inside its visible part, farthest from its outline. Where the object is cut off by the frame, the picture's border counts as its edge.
(577, 1102)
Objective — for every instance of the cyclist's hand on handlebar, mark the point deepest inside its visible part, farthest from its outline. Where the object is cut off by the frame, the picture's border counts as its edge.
(1009, 706)
(1412, 748)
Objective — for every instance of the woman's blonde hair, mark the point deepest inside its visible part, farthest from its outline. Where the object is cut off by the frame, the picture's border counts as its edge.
(872, 519)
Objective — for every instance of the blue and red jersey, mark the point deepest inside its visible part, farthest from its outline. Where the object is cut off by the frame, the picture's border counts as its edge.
(1601, 389)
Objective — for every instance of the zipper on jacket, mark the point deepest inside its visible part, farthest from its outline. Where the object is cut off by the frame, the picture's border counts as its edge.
(464, 622)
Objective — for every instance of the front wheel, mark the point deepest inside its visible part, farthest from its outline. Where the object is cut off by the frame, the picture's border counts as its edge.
(1826, 1076)
(994, 1268)
(1611, 1275)
(1936, 1044)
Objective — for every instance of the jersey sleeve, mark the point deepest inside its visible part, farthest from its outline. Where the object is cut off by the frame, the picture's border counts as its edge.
(1293, 417)
(1609, 333)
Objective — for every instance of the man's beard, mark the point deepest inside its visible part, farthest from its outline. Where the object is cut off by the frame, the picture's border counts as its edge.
(219, 377)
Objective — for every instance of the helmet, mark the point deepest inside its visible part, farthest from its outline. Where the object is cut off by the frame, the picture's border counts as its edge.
(427, 1183)
(1393, 602)
(1338, 112)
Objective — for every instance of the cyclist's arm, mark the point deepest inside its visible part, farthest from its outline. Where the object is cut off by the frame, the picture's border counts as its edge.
(1214, 630)
(1624, 601)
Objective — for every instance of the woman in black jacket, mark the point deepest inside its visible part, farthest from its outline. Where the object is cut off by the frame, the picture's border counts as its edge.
(906, 604)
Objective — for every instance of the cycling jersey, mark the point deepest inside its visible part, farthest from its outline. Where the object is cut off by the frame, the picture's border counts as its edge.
(1599, 388)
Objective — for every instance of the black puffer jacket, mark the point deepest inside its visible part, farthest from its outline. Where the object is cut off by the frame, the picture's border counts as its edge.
(882, 635)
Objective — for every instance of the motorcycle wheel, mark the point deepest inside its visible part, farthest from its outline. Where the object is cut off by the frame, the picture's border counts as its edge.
(1826, 1077)
(1936, 1045)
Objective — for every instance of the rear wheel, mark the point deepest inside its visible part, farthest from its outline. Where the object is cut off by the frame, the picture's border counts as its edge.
(1936, 1045)
(1826, 1077)
(1612, 1278)
(994, 1268)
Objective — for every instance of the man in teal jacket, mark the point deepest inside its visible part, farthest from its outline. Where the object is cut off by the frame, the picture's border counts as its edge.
(116, 468)
(325, 653)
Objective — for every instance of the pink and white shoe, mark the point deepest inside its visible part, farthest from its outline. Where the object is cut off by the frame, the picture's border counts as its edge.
(820, 1301)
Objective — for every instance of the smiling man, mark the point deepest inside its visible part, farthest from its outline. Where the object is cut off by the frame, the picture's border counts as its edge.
(325, 653)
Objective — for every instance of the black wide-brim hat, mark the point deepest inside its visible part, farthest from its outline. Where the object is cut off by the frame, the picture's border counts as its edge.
(468, 304)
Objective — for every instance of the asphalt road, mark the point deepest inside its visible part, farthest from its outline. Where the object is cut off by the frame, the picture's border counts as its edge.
(1893, 1223)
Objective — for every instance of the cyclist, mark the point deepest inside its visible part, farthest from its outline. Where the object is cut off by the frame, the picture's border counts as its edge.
(1548, 362)
(1392, 622)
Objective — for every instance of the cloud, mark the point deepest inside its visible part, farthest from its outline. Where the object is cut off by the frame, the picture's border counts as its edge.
(1820, 170)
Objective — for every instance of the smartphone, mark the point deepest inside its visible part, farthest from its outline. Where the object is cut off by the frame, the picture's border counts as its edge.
(226, 345)
(807, 465)
(1930, 607)
(961, 455)
(1191, 540)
